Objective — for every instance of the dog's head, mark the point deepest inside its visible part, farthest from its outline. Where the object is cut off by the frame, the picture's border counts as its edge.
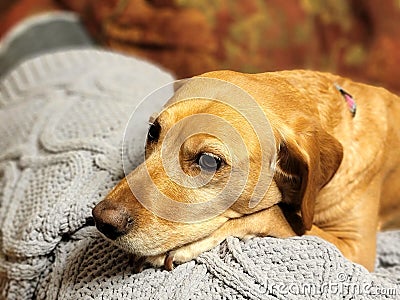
(210, 153)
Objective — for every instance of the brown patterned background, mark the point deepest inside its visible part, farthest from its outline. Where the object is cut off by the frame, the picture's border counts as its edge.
(356, 38)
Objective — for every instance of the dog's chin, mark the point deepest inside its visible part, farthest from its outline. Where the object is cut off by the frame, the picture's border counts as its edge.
(138, 246)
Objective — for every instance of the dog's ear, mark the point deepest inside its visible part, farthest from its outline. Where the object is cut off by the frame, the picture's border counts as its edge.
(306, 163)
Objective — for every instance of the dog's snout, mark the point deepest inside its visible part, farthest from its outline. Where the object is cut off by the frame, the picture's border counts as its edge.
(111, 219)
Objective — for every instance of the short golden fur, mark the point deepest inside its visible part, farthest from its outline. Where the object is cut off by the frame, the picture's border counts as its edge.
(337, 176)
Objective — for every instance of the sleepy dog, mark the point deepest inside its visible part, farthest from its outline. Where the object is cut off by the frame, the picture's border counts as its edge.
(334, 154)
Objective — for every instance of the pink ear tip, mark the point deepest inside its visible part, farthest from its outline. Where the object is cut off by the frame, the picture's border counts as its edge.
(349, 99)
(351, 103)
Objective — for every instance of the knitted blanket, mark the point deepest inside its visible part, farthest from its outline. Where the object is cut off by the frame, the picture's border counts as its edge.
(62, 118)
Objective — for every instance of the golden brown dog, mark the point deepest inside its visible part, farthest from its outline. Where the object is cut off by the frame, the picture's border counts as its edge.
(337, 171)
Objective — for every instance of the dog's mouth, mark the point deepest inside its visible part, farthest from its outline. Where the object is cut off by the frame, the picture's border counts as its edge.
(140, 245)
(149, 235)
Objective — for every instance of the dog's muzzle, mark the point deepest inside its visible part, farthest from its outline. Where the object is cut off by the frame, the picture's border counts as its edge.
(112, 219)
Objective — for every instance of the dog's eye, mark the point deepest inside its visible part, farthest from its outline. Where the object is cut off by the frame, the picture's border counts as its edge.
(209, 162)
(154, 132)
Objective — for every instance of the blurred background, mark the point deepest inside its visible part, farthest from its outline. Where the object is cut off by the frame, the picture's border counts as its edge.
(355, 38)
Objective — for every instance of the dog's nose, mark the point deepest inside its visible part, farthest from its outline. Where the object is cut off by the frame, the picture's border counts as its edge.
(112, 219)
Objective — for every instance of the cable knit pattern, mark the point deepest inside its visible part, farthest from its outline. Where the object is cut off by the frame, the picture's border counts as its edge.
(62, 121)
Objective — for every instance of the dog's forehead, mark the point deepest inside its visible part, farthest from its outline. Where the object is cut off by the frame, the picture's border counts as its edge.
(219, 108)
(204, 142)
(232, 98)
(201, 114)
(208, 88)
(198, 124)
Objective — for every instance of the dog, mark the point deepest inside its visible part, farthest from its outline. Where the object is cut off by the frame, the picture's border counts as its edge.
(336, 172)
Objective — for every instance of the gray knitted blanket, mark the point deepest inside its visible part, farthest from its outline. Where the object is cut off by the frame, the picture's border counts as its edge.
(62, 118)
